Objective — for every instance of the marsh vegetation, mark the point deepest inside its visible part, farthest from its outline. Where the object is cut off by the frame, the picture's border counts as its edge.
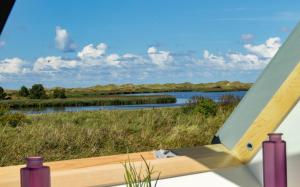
(71, 135)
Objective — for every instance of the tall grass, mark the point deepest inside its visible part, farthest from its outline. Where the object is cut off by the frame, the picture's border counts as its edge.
(139, 178)
(62, 136)
(99, 101)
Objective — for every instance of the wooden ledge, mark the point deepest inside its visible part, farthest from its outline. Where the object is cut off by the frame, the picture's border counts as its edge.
(108, 170)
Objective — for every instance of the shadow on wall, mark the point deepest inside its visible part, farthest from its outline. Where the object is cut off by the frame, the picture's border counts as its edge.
(293, 165)
(233, 171)
(241, 176)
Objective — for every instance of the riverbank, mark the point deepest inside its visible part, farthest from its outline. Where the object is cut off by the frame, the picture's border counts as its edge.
(72, 135)
(86, 101)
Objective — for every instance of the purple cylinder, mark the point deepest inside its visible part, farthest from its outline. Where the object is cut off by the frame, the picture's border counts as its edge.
(35, 174)
(274, 161)
(269, 164)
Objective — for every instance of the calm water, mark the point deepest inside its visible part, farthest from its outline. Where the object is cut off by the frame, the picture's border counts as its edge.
(182, 99)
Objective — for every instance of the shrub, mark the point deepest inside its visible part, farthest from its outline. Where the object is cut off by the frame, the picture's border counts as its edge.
(203, 105)
(12, 119)
(24, 92)
(37, 91)
(229, 102)
(229, 99)
(3, 110)
(59, 93)
(2, 93)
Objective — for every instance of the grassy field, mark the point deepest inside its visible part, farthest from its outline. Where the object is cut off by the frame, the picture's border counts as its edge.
(92, 101)
(149, 88)
(112, 89)
(84, 134)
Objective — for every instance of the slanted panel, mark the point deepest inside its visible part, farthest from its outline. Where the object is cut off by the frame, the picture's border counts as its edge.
(261, 93)
(270, 117)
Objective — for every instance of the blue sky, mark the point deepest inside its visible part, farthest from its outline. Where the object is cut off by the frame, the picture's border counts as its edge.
(84, 43)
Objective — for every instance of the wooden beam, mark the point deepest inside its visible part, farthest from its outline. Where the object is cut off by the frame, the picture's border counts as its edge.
(107, 171)
(270, 117)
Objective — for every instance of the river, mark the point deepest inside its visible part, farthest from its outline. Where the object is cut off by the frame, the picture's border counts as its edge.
(182, 99)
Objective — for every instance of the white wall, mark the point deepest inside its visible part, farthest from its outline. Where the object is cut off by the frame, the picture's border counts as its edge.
(290, 127)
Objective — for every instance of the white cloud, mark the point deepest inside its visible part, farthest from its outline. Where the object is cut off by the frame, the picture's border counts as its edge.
(246, 61)
(63, 41)
(247, 37)
(113, 59)
(90, 51)
(53, 63)
(265, 50)
(214, 61)
(11, 65)
(93, 64)
(2, 43)
(160, 58)
(257, 58)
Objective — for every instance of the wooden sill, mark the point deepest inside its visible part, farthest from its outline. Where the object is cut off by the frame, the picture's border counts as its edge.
(108, 170)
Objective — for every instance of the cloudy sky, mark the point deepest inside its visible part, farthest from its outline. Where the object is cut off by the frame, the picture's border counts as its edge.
(84, 43)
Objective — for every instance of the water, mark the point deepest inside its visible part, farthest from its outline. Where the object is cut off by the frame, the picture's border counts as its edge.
(182, 99)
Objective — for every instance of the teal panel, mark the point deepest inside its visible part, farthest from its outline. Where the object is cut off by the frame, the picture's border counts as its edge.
(283, 63)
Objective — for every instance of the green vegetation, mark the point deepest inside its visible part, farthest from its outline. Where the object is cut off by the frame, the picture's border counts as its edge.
(62, 136)
(2, 94)
(59, 93)
(112, 89)
(135, 178)
(99, 101)
(203, 105)
(24, 92)
(111, 94)
(37, 91)
(150, 88)
(11, 119)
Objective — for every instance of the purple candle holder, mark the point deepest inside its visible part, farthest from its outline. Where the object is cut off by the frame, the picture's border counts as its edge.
(35, 174)
(274, 161)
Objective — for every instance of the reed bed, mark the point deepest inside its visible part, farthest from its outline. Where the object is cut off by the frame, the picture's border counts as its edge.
(93, 101)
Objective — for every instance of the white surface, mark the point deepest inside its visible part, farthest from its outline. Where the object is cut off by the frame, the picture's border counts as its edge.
(231, 177)
(290, 127)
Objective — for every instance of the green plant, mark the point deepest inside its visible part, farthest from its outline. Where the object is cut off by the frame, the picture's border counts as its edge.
(37, 91)
(59, 93)
(2, 93)
(24, 92)
(11, 119)
(139, 178)
(203, 105)
(14, 119)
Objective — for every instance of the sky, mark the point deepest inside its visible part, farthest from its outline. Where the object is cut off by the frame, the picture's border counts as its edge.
(84, 43)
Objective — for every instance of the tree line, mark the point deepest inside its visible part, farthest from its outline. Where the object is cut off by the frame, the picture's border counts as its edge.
(37, 91)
